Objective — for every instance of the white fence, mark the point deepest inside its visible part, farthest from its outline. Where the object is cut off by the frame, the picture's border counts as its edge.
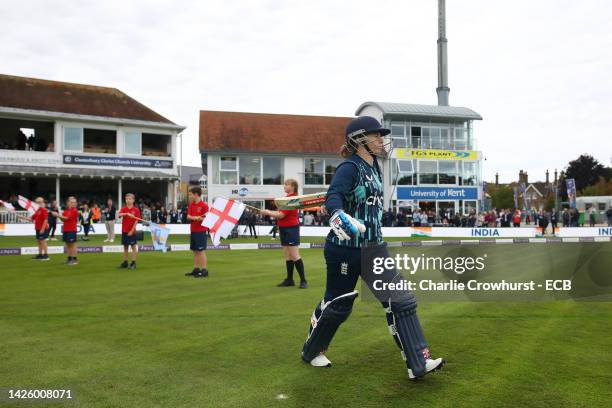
(11, 217)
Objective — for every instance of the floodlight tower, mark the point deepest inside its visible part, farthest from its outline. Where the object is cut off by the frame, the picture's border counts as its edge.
(443, 90)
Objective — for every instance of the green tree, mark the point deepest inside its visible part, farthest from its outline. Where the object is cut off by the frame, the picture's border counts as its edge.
(585, 170)
(502, 197)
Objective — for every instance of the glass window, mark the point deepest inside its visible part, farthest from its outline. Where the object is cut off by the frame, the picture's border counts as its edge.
(73, 139)
(428, 172)
(398, 135)
(415, 136)
(330, 169)
(228, 166)
(435, 138)
(426, 139)
(250, 170)
(273, 170)
(156, 145)
(460, 142)
(447, 172)
(314, 171)
(402, 172)
(469, 174)
(100, 141)
(444, 142)
(228, 163)
(469, 206)
(132, 143)
(405, 166)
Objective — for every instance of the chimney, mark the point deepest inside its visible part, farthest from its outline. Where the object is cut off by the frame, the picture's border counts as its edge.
(521, 176)
(526, 178)
(556, 176)
(496, 179)
(442, 89)
(547, 177)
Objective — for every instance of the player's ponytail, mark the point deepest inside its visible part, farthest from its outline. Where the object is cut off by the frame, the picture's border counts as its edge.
(346, 151)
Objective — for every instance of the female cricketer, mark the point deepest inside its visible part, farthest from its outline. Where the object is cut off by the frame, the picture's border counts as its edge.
(355, 202)
(70, 217)
(289, 227)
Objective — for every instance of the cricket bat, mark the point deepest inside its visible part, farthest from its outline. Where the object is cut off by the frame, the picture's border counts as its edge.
(300, 202)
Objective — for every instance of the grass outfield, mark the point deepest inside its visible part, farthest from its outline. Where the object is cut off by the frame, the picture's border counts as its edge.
(97, 240)
(152, 337)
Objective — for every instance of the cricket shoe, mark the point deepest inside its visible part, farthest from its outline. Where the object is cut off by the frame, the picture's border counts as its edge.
(45, 258)
(37, 257)
(132, 266)
(72, 262)
(192, 273)
(286, 282)
(303, 285)
(124, 265)
(430, 365)
(202, 273)
(320, 361)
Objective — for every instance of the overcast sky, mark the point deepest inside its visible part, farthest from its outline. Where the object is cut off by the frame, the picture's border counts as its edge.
(538, 71)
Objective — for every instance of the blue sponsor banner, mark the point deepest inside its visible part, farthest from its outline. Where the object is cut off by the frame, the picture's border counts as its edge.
(116, 161)
(437, 193)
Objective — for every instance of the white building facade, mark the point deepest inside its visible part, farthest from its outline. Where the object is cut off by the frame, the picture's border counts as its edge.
(86, 153)
(435, 164)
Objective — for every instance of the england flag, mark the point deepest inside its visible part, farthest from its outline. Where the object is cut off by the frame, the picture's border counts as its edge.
(222, 218)
(27, 204)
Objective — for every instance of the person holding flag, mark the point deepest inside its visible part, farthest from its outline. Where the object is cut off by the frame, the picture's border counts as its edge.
(289, 227)
(70, 217)
(41, 226)
(130, 215)
(195, 215)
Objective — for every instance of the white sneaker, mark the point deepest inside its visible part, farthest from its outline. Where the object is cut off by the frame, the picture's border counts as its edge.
(112, 240)
(106, 240)
(320, 361)
(430, 365)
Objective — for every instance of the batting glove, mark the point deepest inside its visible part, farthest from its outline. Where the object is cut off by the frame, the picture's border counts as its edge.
(345, 226)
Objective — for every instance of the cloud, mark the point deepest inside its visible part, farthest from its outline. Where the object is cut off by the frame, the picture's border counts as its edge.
(538, 72)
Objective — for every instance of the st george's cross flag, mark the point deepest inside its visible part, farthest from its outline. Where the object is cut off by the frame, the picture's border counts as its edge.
(27, 204)
(222, 218)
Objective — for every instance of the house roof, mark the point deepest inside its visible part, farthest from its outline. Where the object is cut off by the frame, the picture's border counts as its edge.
(407, 109)
(32, 94)
(271, 133)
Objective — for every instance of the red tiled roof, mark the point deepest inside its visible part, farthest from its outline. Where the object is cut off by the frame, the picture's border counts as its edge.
(64, 97)
(271, 133)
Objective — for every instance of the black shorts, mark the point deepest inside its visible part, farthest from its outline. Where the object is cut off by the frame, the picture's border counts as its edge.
(69, 237)
(289, 236)
(128, 240)
(41, 236)
(198, 241)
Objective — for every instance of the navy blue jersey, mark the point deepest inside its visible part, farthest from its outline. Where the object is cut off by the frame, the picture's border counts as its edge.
(358, 190)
